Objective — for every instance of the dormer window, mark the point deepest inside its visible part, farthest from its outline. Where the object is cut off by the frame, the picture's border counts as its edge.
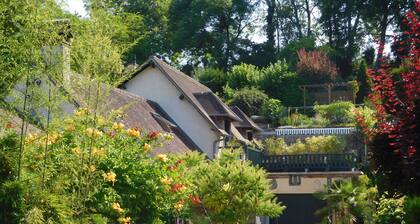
(227, 126)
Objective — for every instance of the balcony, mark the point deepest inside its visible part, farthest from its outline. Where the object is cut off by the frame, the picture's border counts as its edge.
(303, 162)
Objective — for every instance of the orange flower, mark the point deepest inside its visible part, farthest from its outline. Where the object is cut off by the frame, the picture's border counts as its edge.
(124, 220)
(162, 157)
(178, 206)
(147, 147)
(9, 125)
(110, 177)
(116, 206)
(133, 133)
(178, 187)
(195, 200)
(166, 181)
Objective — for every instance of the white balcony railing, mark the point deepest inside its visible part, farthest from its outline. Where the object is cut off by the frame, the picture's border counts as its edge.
(314, 131)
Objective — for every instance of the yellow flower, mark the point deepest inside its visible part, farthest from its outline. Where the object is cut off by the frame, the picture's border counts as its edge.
(147, 147)
(76, 150)
(93, 132)
(226, 187)
(81, 112)
(167, 136)
(100, 121)
(166, 181)
(30, 138)
(53, 138)
(124, 220)
(178, 206)
(118, 126)
(116, 206)
(98, 152)
(92, 168)
(110, 177)
(70, 127)
(162, 157)
(133, 132)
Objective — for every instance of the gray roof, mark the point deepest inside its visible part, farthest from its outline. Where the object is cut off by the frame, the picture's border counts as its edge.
(246, 121)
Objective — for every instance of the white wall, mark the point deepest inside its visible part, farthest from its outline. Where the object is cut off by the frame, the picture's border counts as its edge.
(153, 85)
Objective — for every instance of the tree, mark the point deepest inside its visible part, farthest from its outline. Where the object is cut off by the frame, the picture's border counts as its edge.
(249, 100)
(216, 30)
(273, 111)
(341, 20)
(315, 67)
(243, 75)
(363, 81)
(229, 190)
(395, 95)
(213, 78)
(275, 78)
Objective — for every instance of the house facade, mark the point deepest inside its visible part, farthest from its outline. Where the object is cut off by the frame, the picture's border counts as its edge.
(192, 106)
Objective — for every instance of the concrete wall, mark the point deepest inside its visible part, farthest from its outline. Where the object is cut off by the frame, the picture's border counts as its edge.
(154, 85)
(310, 182)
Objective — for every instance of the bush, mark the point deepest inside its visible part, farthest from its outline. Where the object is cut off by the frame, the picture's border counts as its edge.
(315, 144)
(228, 190)
(339, 112)
(390, 210)
(243, 75)
(315, 67)
(250, 100)
(412, 210)
(277, 75)
(273, 111)
(213, 78)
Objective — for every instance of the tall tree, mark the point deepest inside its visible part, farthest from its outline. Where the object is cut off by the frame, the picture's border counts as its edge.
(341, 21)
(380, 15)
(211, 31)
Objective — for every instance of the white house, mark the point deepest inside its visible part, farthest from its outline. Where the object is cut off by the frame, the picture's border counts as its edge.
(192, 106)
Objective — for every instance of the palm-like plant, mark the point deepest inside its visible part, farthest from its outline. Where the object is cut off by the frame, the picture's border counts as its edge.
(348, 202)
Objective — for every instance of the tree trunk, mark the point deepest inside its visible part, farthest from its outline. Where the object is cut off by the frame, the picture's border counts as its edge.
(382, 36)
(308, 15)
(271, 5)
(297, 20)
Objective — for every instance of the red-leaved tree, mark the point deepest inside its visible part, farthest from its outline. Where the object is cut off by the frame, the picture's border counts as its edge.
(396, 94)
(315, 67)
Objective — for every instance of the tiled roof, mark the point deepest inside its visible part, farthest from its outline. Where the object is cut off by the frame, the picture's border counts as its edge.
(246, 121)
(200, 96)
(147, 115)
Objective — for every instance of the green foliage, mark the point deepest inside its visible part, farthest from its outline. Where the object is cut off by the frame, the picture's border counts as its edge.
(230, 190)
(249, 100)
(338, 112)
(364, 82)
(301, 120)
(315, 144)
(390, 210)
(213, 78)
(349, 201)
(412, 209)
(273, 110)
(243, 75)
(289, 52)
(277, 76)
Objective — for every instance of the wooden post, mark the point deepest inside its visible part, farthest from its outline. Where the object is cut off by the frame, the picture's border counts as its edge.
(329, 93)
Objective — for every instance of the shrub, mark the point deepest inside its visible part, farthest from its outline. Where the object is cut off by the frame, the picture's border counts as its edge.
(315, 67)
(412, 210)
(278, 75)
(297, 119)
(390, 210)
(273, 111)
(243, 75)
(338, 112)
(315, 144)
(213, 78)
(250, 100)
(228, 190)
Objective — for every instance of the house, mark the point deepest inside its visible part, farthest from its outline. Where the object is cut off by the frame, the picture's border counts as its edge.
(192, 106)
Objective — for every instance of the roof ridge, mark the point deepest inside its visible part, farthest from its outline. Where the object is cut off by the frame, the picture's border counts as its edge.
(181, 74)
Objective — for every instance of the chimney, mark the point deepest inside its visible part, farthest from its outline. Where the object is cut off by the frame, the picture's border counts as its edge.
(59, 55)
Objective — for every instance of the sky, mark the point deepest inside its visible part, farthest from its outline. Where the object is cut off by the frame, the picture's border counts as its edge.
(75, 6)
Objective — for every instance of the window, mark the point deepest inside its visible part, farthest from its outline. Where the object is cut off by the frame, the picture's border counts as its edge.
(249, 135)
(294, 180)
(227, 126)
